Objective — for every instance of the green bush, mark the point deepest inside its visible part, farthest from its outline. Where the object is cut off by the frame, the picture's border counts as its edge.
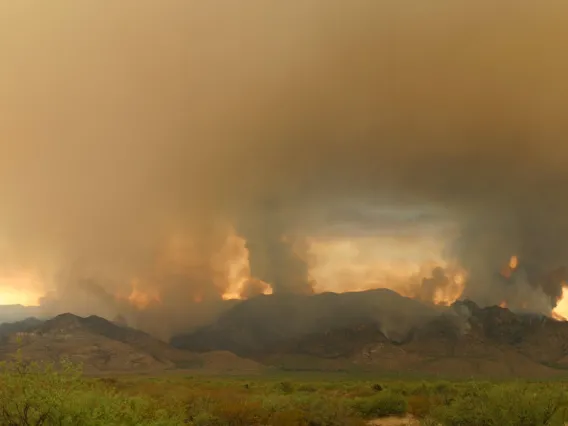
(325, 411)
(205, 419)
(505, 405)
(285, 387)
(50, 394)
(46, 394)
(307, 388)
(299, 409)
(381, 405)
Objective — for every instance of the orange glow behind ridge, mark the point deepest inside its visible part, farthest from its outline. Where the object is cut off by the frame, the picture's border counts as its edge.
(561, 310)
(22, 288)
(140, 299)
(338, 265)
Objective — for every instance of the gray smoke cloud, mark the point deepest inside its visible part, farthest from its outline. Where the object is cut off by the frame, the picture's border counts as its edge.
(127, 123)
(273, 256)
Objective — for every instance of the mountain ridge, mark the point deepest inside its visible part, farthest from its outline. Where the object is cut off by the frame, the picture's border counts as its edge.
(388, 332)
(103, 346)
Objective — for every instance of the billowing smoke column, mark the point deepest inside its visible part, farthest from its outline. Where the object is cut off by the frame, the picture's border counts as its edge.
(515, 258)
(138, 135)
(272, 256)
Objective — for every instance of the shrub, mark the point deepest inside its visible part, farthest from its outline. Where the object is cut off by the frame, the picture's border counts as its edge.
(34, 393)
(308, 410)
(285, 387)
(205, 419)
(377, 387)
(421, 405)
(504, 406)
(48, 394)
(381, 405)
(307, 388)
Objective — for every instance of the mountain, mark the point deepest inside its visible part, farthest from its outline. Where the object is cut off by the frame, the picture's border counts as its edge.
(9, 328)
(263, 323)
(13, 313)
(102, 346)
(382, 331)
(377, 331)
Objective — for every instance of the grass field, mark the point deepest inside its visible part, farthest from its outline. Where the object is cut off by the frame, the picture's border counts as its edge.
(32, 394)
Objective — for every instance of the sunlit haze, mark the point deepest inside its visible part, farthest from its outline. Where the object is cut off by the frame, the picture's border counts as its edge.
(160, 157)
(18, 289)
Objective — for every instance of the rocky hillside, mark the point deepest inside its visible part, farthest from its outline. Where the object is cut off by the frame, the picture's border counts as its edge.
(264, 323)
(102, 346)
(382, 330)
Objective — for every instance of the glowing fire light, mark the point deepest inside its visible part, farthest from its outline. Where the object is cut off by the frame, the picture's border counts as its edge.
(233, 295)
(447, 295)
(503, 304)
(239, 274)
(561, 310)
(141, 299)
(508, 269)
(513, 262)
(239, 268)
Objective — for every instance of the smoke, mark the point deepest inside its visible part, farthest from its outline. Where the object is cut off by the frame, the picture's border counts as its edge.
(137, 136)
(272, 257)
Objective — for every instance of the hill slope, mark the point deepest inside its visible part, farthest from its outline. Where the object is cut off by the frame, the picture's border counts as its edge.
(381, 330)
(103, 346)
(265, 322)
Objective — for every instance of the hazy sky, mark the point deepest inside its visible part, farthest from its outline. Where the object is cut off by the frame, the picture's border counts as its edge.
(136, 136)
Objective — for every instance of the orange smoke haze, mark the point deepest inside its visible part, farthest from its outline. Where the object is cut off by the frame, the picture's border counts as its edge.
(560, 312)
(140, 299)
(403, 265)
(158, 157)
(20, 287)
(338, 265)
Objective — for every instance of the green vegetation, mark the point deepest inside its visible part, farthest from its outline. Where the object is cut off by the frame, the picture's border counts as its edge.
(385, 404)
(48, 394)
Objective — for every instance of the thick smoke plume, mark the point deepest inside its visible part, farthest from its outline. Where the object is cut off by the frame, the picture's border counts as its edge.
(136, 136)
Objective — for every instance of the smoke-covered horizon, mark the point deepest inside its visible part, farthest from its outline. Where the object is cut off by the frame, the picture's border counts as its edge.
(138, 137)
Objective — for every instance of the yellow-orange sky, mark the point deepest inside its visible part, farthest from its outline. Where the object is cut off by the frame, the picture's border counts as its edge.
(20, 288)
(338, 264)
(137, 135)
